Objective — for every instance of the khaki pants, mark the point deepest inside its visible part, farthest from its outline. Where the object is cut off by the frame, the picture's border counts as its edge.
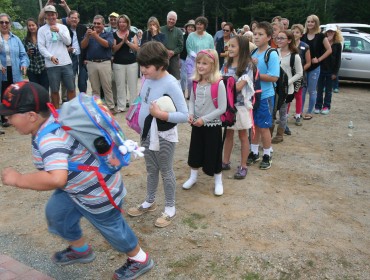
(126, 78)
(100, 75)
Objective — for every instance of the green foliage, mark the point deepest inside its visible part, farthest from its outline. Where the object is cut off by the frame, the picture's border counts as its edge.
(239, 12)
(6, 6)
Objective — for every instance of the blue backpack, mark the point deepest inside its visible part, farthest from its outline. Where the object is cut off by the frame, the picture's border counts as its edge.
(87, 120)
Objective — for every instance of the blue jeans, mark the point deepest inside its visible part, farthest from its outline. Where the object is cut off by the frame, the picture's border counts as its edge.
(80, 68)
(41, 79)
(326, 82)
(336, 83)
(63, 216)
(312, 79)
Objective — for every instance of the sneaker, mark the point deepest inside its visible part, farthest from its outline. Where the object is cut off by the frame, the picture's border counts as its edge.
(164, 220)
(253, 158)
(241, 172)
(127, 105)
(70, 256)
(325, 111)
(298, 122)
(266, 162)
(287, 131)
(226, 166)
(317, 111)
(139, 210)
(336, 90)
(133, 269)
(118, 111)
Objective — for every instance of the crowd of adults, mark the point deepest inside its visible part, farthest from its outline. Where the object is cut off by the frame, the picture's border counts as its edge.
(57, 50)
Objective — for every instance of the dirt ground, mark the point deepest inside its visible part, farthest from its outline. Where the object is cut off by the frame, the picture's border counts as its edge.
(305, 218)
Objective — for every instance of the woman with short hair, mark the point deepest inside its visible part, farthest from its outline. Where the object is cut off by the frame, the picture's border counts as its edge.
(13, 58)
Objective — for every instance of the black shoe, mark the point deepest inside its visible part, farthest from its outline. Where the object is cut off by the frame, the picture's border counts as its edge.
(2, 132)
(266, 162)
(253, 158)
(287, 131)
(6, 124)
(127, 105)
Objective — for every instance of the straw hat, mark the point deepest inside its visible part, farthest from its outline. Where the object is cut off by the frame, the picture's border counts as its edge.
(190, 22)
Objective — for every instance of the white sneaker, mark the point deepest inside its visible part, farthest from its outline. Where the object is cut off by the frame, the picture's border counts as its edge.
(219, 189)
(188, 184)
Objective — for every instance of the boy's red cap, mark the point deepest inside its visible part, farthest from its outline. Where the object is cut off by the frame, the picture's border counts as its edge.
(24, 97)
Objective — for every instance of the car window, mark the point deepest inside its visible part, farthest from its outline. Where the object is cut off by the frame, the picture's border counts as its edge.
(356, 45)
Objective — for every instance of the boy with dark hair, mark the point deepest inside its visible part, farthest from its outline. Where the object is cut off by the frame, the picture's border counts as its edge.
(77, 194)
(159, 129)
(269, 73)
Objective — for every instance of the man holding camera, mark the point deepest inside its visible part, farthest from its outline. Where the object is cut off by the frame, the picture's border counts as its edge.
(53, 39)
(98, 45)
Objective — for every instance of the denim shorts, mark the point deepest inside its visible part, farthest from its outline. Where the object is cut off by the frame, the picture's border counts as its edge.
(58, 74)
(263, 115)
(63, 216)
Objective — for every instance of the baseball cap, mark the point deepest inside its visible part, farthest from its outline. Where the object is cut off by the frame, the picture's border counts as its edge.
(50, 8)
(114, 15)
(24, 97)
(331, 27)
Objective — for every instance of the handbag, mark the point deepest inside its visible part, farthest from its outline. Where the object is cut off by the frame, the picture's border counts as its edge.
(132, 116)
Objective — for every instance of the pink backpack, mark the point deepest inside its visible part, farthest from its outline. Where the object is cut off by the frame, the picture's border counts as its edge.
(229, 117)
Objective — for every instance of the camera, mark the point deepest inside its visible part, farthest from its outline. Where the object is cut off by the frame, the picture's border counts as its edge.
(90, 26)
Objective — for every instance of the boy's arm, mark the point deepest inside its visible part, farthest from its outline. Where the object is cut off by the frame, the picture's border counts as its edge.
(39, 181)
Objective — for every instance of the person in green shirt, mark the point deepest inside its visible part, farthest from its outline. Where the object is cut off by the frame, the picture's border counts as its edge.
(174, 43)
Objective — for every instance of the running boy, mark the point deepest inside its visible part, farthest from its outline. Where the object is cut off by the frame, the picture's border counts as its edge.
(269, 73)
(77, 194)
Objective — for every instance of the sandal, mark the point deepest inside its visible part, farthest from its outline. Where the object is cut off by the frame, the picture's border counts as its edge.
(307, 117)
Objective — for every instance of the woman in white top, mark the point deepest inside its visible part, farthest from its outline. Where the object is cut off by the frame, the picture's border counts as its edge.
(287, 48)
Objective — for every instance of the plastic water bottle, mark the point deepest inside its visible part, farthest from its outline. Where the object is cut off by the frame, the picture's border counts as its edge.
(104, 150)
(54, 36)
(350, 128)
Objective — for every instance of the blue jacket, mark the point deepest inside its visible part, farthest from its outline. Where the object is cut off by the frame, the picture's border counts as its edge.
(18, 58)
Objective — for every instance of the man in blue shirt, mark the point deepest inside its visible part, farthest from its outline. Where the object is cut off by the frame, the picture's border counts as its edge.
(98, 45)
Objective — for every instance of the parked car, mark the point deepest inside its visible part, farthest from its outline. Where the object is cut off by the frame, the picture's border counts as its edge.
(355, 64)
(17, 25)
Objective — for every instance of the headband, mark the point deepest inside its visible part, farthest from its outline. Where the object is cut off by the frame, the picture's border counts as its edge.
(208, 53)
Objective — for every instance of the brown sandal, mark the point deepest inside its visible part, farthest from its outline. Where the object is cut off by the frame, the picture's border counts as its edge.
(307, 117)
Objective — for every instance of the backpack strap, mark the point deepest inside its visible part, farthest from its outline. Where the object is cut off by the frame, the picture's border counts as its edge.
(47, 129)
(256, 76)
(214, 92)
(103, 184)
(195, 83)
(292, 60)
(268, 53)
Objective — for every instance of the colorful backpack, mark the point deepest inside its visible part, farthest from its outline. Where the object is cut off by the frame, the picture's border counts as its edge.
(229, 117)
(87, 120)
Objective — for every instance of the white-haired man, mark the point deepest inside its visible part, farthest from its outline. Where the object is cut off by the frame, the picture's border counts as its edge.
(174, 43)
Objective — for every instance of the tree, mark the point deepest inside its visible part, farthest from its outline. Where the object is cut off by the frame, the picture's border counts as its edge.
(6, 6)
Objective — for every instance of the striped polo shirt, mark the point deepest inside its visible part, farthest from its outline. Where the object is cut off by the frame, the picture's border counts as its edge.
(53, 153)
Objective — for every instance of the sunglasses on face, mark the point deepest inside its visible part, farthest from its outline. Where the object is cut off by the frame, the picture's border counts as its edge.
(225, 30)
(4, 22)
